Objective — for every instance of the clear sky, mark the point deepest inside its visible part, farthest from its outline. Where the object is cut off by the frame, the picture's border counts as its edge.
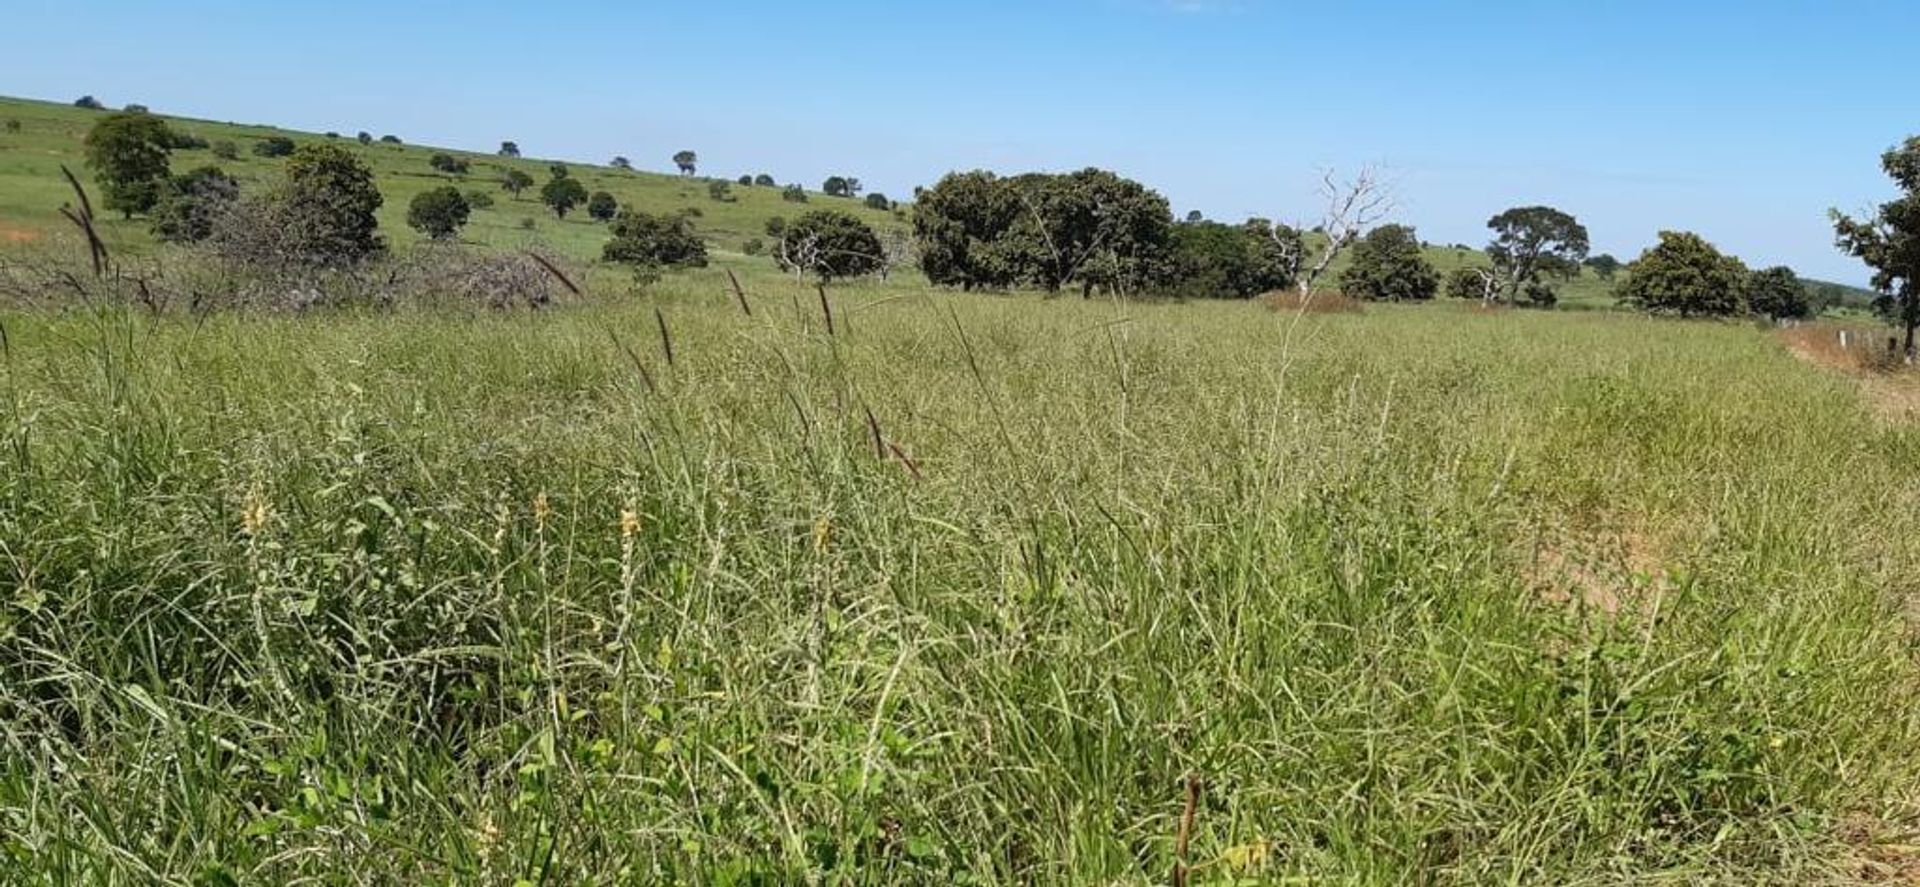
(1743, 121)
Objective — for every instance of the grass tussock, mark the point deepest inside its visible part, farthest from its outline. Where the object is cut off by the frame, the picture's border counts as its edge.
(1317, 303)
(427, 596)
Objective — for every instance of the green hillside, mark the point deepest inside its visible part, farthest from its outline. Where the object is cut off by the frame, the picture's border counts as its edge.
(31, 188)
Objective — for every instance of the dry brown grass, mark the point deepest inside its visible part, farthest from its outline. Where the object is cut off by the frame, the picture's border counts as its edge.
(1891, 389)
(1318, 303)
(1882, 852)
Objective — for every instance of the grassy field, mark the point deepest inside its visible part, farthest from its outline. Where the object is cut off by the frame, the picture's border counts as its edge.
(965, 591)
(32, 191)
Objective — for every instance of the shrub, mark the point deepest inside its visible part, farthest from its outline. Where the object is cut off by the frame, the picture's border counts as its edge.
(559, 170)
(601, 206)
(776, 226)
(438, 212)
(226, 150)
(653, 241)
(878, 201)
(89, 102)
(332, 134)
(274, 146)
(390, 139)
(135, 108)
(364, 137)
(527, 223)
(743, 181)
(763, 180)
(753, 247)
(720, 190)
(186, 141)
(478, 199)
(1777, 293)
(448, 163)
(128, 152)
(191, 204)
(830, 244)
(561, 194)
(1388, 266)
(329, 200)
(12, 125)
(793, 194)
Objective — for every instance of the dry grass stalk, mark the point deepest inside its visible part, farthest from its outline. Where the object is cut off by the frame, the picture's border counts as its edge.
(1317, 303)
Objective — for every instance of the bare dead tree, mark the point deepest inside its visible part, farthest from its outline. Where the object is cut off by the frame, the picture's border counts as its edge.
(1353, 207)
(896, 251)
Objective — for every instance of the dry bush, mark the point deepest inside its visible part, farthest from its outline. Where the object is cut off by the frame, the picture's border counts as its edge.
(1318, 303)
(1863, 349)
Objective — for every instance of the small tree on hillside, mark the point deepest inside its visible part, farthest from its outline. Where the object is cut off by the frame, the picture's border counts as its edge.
(764, 181)
(878, 201)
(89, 102)
(328, 202)
(562, 194)
(621, 163)
(447, 163)
(687, 162)
(1534, 243)
(364, 137)
(390, 139)
(1889, 241)
(191, 203)
(515, 181)
(840, 186)
(793, 194)
(652, 241)
(509, 149)
(601, 206)
(1604, 266)
(128, 152)
(1388, 265)
(438, 212)
(557, 170)
(745, 181)
(720, 190)
(1684, 275)
(1777, 294)
(274, 146)
(830, 244)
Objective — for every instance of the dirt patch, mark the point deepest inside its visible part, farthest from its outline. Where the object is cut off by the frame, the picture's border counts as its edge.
(1608, 571)
(1891, 388)
(1881, 852)
(17, 235)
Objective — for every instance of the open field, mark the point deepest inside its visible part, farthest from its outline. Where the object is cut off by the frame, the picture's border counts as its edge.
(965, 590)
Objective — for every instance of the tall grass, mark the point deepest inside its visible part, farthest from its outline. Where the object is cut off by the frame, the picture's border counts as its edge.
(973, 590)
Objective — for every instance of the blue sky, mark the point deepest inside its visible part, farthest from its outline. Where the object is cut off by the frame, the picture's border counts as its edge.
(1743, 121)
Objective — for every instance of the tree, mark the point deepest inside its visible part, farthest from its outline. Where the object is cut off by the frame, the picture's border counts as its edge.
(1889, 241)
(720, 190)
(438, 212)
(765, 181)
(621, 163)
(364, 137)
(878, 201)
(135, 108)
(1533, 243)
(1194, 215)
(840, 186)
(1209, 260)
(274, 146)
(327, 204)
(1389, 266)
(1474, 282)
(89, 102)
(128, 154)
(601, 206)
(745, 181)
(515, 181)
(1604, 266)
(1092, 227)
(686, 162)
(1684, 275)
(829, 244)
(561, 194)
(191, 203)
(390, 139)
(509, 149)
(960, 226)
(776, 226)
(652, 241)
(1777, 294)
(448, 163)
(557, 170)
(478, 199)
(793, 194)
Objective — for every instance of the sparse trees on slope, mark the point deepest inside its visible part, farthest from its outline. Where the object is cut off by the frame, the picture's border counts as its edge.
(562, 193)
(1388, 265)
(1534, 243)
(515, 181)
(1889, 241)
(438, 212)
(509, 149)
(1684, 275)
(128, 153)
(601, 206)
(830, 244)
(652, 241)
(687, 162)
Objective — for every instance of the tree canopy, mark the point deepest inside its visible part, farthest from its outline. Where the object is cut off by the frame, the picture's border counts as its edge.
(687, 162)
(562, 193)
(1532, 244)
(1778, 293)
(830, 244)
(1388, 265)
(1889, 241)
(655, 241)
(439, 212)
(329, 201)
(128, 152)
(1685, 275)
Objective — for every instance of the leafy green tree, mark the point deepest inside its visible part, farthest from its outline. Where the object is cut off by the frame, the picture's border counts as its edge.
(1281, 249)
(439, 212)
(557, 170)
(1777, 293)
(89, 102)
(830, 244)
(1604, 266)
(960, 228)
(390, 139)
(478, 199)
(793, 194)
(1194, 215)
(13, 124)
(329, 202)
(1388, 265)
(764, 181)
(509, 149)
(1210, 260)
(364, 137)
(776, 226)
(601, 206)
(561, 194)
(191, 203)
(1474, 282)
(745, 181)
(1684, 275)
(655, 241)
(1532, 244)
(686, 161)
(128, 153)
(514, 181)
(720, 190)
(621, 163)
(1889, 241)
(840, 186)
(1092, 227)
(448, 163)
(135, 108)
(878, 201)
(274, 146)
